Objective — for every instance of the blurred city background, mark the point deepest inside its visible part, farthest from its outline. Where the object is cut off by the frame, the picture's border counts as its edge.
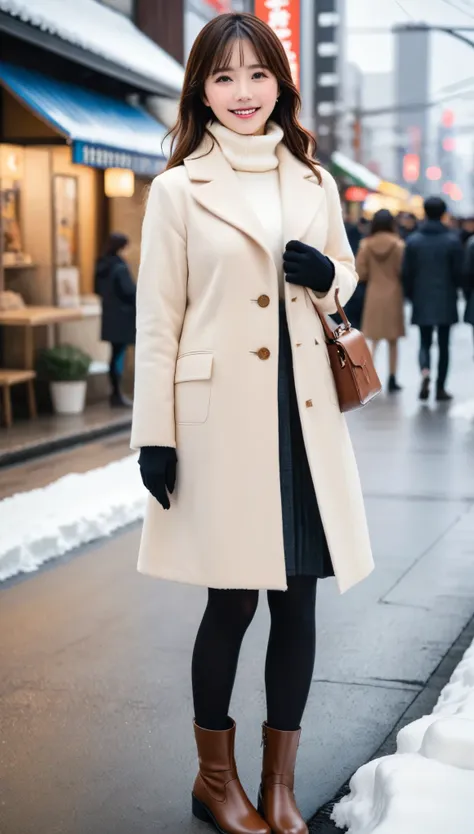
(94, 659)
(388, 88)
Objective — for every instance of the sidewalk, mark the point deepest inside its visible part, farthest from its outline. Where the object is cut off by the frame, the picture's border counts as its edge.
(94, 659)
(30, 439)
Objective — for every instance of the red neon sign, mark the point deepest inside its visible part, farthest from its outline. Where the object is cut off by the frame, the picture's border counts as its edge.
(411, 167)
(355, 194)
(220, 5)
(283, 16)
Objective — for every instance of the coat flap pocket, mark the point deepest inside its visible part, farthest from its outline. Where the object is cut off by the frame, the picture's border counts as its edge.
(194, 366)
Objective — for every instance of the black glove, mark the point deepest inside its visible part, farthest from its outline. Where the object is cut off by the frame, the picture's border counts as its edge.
(158, 470)
(307, 267)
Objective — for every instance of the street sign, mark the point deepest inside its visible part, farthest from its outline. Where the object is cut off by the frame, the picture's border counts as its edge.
(283, 16)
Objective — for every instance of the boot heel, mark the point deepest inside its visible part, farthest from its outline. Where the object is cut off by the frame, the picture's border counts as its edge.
(199, 810)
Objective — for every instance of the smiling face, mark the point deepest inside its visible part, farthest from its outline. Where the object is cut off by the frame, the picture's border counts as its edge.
(242, 95)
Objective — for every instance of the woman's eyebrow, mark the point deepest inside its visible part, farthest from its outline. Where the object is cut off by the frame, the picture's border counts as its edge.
(232, 69)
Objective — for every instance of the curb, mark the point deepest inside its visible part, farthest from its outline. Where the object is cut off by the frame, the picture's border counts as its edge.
(422, 704)
(59, 444)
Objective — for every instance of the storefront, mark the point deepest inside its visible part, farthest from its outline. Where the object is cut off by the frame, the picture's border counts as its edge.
(364, 192)
(74, 165)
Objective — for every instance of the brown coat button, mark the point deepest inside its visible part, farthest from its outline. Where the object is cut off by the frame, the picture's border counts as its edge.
(263, 301)
(263, 353)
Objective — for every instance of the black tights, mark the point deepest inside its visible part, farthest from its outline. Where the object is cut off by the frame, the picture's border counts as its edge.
(290, 654)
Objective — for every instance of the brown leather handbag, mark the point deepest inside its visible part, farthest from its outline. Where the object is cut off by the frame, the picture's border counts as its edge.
(352, 366)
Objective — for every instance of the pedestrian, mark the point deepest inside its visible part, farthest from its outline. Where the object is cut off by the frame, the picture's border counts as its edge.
(354, 234)
(115, 285)
(467, 229)
(407, 224)
(468, 281)
(379, 266)
(432, 274)
(243, 234)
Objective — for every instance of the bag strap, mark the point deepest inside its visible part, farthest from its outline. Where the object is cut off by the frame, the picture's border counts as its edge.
(332, 335)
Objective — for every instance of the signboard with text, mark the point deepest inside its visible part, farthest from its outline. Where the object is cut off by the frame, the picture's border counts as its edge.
(283, 16)
(99, 156)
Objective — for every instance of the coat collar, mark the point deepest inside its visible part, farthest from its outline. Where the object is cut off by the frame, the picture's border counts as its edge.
(215, 186)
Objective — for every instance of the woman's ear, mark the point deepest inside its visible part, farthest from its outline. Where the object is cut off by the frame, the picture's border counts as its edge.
(205, 101)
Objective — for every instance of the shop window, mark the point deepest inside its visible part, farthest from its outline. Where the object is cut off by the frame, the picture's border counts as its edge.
(11, 176)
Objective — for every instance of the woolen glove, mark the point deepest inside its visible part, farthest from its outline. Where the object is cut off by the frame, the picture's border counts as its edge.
(158, 470)
(307, 267)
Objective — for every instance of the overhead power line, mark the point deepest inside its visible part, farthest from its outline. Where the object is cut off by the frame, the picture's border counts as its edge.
(405, 11)
(458, 8)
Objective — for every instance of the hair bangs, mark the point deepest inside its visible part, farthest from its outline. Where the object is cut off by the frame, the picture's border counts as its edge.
(238, 32)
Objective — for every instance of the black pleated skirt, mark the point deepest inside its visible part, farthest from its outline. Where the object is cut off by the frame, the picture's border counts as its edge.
(306, 549)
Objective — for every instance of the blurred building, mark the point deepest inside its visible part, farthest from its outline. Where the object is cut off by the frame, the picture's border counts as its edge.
(379, 132)
(412, 95)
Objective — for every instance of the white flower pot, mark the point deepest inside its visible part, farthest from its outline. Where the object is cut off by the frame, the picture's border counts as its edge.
(68, 397)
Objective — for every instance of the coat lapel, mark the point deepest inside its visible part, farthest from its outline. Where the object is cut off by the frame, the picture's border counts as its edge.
(301, 195)
(215, 186)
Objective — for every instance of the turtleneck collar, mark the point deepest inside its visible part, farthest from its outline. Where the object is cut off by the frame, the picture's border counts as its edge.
(248, 153)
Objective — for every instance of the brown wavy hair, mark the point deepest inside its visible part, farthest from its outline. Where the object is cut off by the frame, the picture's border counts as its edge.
(212, 50)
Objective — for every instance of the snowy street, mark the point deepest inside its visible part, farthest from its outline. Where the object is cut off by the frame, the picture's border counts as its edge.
(94, 659)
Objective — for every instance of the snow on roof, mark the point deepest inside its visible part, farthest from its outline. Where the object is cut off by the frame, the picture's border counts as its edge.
(98, 29)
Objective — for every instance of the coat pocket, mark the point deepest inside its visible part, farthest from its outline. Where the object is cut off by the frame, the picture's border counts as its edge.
(193, 387)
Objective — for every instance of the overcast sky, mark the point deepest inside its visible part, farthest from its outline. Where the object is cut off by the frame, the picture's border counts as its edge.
(451, 61)
(374, 52)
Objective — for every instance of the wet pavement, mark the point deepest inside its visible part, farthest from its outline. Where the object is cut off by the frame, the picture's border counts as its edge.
(96, 710)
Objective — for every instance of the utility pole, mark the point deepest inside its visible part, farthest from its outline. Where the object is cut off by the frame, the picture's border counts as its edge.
(357, 126)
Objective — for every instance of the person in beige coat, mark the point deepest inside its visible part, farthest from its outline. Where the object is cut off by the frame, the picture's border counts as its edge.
(379, 264)
(252, 477)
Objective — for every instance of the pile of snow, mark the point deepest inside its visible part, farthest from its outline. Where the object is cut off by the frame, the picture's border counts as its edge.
(45, 523)
(428, 784)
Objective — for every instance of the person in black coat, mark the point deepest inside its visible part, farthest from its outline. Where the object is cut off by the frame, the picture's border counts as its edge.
(407, 224)
(468, 282)
(115, 285)
(432, 273)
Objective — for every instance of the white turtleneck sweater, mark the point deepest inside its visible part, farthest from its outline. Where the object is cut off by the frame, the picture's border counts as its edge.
(255, 162)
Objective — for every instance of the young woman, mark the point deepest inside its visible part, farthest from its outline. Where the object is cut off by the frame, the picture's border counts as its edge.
(115, 284)
(379, 264)
(243, 448)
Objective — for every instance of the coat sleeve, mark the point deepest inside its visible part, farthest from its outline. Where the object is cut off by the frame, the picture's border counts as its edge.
(125, 286)
(161, 306)
(400, 258)
(457, 262)
(408, 269)
(468, 269)
(362, 263)
(338, 250)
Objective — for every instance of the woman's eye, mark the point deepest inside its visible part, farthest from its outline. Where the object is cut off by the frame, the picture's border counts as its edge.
(259, 75)
(223, 78)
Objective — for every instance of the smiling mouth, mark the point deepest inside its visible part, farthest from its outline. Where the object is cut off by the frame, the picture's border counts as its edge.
(245, 112)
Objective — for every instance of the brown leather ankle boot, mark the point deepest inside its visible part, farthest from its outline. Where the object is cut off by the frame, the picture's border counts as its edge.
(277, 800)
(218, 796)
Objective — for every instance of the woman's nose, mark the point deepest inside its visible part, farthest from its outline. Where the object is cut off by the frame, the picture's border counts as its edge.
(243, 93)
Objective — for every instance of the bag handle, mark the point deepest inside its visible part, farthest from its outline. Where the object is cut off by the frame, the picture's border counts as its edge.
(332, 335)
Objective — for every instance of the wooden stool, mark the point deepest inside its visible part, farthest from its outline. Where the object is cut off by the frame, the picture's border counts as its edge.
(9, 378)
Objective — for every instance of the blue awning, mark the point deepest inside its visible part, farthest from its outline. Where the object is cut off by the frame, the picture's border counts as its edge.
(104, 132)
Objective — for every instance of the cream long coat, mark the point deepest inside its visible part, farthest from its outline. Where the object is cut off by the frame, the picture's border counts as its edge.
(203, 384)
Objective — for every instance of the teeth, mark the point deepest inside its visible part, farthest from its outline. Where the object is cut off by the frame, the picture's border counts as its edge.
(245, 112)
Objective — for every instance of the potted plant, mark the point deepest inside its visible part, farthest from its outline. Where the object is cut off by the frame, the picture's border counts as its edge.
(66, 368)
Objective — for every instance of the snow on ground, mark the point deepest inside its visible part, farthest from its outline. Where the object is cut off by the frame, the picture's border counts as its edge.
(45, 523)
(428, 784)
